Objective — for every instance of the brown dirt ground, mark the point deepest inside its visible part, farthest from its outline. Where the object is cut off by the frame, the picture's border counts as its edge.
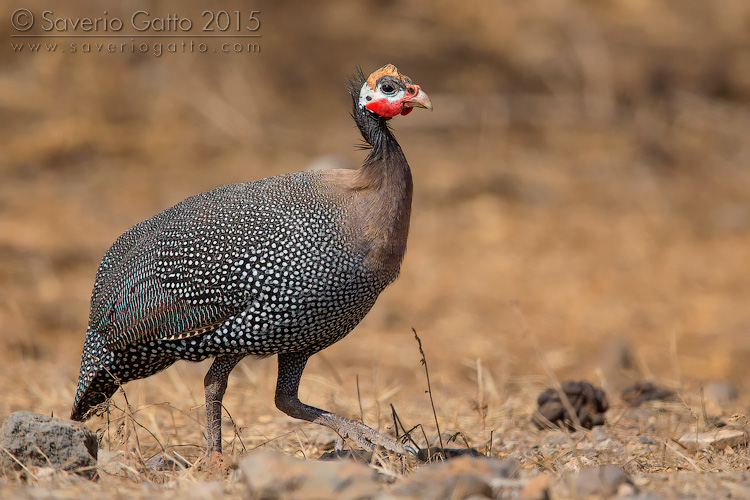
(582, 183)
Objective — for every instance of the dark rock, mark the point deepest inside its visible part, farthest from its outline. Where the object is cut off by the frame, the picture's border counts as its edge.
(715, 422)
(600, 480)
(642, 391)
(588, 402)
(362, 456)
(40, 441)
(433, 453)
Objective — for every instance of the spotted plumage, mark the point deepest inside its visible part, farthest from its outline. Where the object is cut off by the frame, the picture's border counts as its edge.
(286, 265)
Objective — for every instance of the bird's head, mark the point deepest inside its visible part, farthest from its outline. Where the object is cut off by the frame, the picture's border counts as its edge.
(388, 93)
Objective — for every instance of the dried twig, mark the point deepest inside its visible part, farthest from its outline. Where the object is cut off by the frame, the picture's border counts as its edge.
(703, 408)
(129, 415)
(481, 404)
(236, 429)
(301, 446)
(396, 421)
(671, 447)
(407, 434)
(429, 391)
(359, 400)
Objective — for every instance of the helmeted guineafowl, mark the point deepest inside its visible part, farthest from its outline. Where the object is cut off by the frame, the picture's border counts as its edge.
(286, 265)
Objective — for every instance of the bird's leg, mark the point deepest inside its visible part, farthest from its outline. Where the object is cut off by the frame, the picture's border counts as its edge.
(215, 384)
(291, 366)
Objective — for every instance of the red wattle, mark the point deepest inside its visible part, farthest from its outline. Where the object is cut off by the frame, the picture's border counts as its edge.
(383, 107)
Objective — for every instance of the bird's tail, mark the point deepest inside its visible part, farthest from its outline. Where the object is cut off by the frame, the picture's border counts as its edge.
(96, 383)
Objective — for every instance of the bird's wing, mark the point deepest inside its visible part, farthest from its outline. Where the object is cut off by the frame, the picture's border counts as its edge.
(162, 279)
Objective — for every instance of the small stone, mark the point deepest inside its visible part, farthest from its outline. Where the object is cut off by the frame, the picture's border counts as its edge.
(37, 440)
(646, 440)
(716, 440)
(600, 480)
(600, 434)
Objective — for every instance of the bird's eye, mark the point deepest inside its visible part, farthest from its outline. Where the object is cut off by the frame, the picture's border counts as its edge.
(387, 88)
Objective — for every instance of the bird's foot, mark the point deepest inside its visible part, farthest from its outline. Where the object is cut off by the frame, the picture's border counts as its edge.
(362, 435)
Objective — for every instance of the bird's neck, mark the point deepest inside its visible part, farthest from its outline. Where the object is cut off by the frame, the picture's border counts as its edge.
(385, 165)
(384, 187)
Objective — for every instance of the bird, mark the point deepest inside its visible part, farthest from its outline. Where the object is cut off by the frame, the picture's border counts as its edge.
(285, 265)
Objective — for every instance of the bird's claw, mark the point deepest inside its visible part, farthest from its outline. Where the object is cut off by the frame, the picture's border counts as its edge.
(363, 435)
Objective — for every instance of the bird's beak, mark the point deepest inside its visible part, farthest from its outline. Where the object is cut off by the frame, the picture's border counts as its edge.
(420, 100)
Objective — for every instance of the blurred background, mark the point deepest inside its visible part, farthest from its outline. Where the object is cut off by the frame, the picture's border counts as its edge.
(583, 183)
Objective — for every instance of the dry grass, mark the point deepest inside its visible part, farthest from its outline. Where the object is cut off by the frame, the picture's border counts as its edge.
(585, 160)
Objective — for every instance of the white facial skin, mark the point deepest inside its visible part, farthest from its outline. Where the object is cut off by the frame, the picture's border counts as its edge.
(378, 94)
